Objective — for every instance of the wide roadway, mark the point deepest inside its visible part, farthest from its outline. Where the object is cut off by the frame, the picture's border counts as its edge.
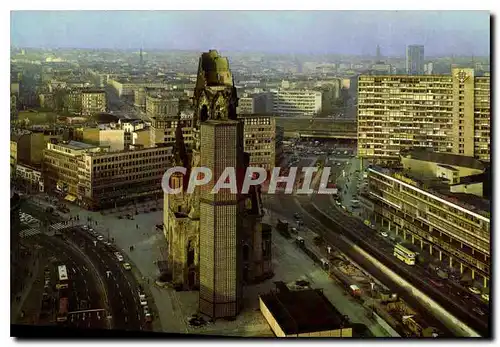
(82, 285)
(122, 288)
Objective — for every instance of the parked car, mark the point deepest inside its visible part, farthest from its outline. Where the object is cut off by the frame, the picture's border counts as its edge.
(384, 234)
(127, 266)
(100, 238)
(474, 290)
(436, 283)
(486, 297)
(478, 311)
(119, 256)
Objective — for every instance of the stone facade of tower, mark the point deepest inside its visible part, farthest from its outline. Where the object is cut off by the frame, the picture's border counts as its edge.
(193, 222)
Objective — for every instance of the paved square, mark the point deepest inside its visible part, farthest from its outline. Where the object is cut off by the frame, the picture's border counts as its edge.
(175, 308)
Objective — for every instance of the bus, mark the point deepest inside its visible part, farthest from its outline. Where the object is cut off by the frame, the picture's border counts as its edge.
(63, 277)
(62, 315)
(404, 254)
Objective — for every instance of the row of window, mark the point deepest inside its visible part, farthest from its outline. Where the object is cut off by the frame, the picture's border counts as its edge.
(158, 155)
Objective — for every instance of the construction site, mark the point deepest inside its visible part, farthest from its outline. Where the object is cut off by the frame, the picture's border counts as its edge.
(387, 308)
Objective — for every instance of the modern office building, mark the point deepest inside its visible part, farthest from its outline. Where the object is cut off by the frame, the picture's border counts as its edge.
(60, 166)
(259, 130)
(415, 60)
(289, 102)
(110, 179)
(245, 106)
(447, 113)
(97, 178)
(260, 140)
(435, 202)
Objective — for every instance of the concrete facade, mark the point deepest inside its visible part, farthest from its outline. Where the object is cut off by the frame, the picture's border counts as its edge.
(446, 113)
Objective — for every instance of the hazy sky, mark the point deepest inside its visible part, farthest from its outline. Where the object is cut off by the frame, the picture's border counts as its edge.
(338, 32)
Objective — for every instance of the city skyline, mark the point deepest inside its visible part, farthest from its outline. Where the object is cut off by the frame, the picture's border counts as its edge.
(442, 33)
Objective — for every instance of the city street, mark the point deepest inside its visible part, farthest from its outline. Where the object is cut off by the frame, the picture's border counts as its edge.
(288, 205)
(341, 223)
(120, 285)
(452, 289)
(82, 285)
(122, 289)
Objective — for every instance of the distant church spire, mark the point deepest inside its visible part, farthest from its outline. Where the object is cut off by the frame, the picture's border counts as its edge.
(378, 54)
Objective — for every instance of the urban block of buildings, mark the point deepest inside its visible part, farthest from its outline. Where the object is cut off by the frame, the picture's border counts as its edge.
(437, 201)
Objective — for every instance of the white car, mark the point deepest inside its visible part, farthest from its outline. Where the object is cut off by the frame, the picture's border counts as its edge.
(127, 266)
(119, 256)
(142, 300)
(474, 290)
(384, 234)
(478, 311)
(486, 297)
(100, 237)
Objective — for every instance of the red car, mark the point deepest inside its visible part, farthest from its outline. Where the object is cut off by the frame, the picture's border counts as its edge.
(436, 283)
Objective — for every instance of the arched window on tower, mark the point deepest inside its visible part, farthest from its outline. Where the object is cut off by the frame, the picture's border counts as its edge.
(190, 253)
(204, 113)
(218, 112)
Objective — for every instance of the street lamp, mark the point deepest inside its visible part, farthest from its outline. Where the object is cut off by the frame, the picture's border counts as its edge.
(372, 285)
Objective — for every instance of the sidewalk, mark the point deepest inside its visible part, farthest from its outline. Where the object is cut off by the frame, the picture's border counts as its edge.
(33, 269)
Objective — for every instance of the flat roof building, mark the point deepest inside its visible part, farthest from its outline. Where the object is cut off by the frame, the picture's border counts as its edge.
(288, 102)
(437, 204)
(415, 60)
(98, 178)
(302, 313)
